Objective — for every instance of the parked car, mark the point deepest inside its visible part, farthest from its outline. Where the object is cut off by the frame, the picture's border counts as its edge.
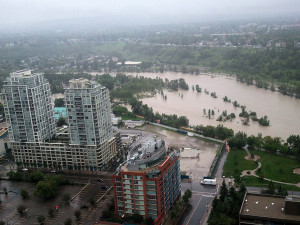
(209, 181)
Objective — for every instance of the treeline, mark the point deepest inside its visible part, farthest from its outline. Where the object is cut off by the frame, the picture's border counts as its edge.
(138, 108)
(47, 185)
(291, 146)
(59, 81)
(219, 132)
(127, 87)
(226, 208)
(262, 66)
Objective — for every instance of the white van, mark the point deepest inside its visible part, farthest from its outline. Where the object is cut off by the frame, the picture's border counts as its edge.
(209, 181)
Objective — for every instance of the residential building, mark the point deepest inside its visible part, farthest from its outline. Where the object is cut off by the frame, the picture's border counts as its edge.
(260, 209)
(4, 141)
(28, 107)
(89, 145)
(148, 183)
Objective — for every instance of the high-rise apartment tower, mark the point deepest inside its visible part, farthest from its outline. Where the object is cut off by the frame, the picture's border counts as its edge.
(28, 107)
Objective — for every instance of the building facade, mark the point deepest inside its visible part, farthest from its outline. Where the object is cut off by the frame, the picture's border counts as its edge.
(148, 183)
(28, 107)
(90, 143)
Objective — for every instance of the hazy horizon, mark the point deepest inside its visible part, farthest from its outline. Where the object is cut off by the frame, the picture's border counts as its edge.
(17, 14)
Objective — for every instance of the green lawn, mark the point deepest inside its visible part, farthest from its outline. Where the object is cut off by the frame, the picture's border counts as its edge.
(256, 182)
(278, 167)
(236, 163)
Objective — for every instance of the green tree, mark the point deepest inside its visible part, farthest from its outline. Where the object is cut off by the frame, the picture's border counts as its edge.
(242, 188)
(119, 110)
(37, 176)
(21, 209)
(68, 221)
(77, 214)
(41, 219)
(92, 203)
(61, 122)
(187, 195)
(137, 218)
(223, 191)
(149, 221)
(24, 194)
(51, 213)
(66, 199)
(59, 102)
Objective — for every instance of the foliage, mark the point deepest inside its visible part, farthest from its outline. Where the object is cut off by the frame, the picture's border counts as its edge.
(238, 141)
(51, 212)
(24, 194)
(219, 132)
(225, 210)
(77, 214)
(120, 110)
(41, 219)
(47, 188)
(186, 196)
(59, 102)
(149, 221)
(92, 203)
(61, 122)
(21, 209)
(137, 218)
(57, 81)
(66, 199)
(68, 221)
(37, 176)
(275, 190)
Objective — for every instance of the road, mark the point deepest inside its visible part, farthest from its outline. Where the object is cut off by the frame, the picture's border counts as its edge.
(202, 197)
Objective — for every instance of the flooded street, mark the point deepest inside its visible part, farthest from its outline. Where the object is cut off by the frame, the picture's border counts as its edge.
(282, 111)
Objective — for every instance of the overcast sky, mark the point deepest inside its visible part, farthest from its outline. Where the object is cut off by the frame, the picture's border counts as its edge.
(13, 12)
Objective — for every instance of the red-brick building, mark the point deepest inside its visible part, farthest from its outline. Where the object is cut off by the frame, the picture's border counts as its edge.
(148, 183)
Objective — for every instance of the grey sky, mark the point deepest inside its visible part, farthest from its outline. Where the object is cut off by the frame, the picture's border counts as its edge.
(31, 11)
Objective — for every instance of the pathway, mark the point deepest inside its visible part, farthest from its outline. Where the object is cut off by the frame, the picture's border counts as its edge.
(253, 172)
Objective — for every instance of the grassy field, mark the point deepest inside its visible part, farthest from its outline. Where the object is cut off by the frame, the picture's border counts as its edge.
(256, 182)
(236, 163)
(278, 167)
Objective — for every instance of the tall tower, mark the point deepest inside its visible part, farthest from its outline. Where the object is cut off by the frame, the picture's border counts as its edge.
(28, 107)
(89, 112)
(89, 116)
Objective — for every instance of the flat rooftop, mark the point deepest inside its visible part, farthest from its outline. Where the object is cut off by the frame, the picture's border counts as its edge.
(151, 153)
(264, 206)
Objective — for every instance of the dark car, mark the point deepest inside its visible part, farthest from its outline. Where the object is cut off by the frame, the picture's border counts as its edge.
(100, 180)
(104, 187)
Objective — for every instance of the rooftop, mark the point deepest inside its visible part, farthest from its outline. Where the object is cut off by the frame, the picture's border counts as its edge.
(21, 73)
(151, 152)
(265, 206)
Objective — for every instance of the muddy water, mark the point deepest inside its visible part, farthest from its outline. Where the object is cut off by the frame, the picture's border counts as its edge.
(282, 111)
(194, 161)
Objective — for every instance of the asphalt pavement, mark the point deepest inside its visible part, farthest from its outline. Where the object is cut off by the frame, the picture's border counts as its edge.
(202, 196)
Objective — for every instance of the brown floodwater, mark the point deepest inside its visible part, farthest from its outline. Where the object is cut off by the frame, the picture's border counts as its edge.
(282, 111)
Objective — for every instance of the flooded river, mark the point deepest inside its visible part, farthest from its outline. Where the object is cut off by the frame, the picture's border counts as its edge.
(282, 111)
